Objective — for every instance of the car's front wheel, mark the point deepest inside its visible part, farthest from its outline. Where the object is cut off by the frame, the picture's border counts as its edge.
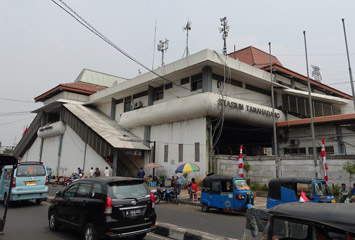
(38, 201)
(90, 232)
(53, 224)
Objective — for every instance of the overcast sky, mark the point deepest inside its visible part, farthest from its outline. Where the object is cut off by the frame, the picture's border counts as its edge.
(41, 46)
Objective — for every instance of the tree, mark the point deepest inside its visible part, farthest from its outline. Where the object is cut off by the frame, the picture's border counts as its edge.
(349, 167)
(8, 150)
(247, 167)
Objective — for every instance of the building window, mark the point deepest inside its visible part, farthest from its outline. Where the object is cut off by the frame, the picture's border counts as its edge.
(197, 152)
(166, 152)
(159, 93)
(258, 90)
(184, 80)
(294, 151)
(196, 82)
(168, 86)
(181, 152)
(328, 150)
(127, 104)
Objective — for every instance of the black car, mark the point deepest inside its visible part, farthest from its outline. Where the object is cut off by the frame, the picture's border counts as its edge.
(111, 207)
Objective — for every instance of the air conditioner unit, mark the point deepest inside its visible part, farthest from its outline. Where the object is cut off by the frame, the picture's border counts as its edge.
(294, 141)
(137, 105)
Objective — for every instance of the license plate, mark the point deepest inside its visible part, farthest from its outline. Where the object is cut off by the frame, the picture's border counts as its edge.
(333, 200)
(133, 213)
(31, 183)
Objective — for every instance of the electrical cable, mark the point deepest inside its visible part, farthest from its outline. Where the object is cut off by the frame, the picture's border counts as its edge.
(87, 25)
(16, 100)
(1, 124)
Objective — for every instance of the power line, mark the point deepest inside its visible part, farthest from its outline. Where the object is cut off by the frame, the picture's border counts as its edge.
(8, 114)
(14, 121)
(16, 100)
(88, 26)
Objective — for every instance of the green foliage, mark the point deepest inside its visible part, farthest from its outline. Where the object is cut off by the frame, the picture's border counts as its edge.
(247, 167)
(349, 166)
(255, 186)
(265, 188)
(335, 190)
(8, 151)
(185, 175)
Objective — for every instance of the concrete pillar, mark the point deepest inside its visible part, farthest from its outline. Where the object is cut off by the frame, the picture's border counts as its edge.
(151, 92)
(113, 108)
(207, 79)
(115, 163)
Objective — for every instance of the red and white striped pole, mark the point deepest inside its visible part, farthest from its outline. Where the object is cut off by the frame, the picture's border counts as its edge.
(324, 161)
(240, 162)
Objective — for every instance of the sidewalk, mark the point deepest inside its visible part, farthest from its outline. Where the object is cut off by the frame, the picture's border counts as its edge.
(259, 202)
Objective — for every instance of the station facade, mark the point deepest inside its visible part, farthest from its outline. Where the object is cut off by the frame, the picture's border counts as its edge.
(191, 110)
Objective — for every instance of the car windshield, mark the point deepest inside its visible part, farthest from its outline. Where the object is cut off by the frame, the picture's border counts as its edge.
(129, 189)
(241, 185)
(29, 170)
(321, 189)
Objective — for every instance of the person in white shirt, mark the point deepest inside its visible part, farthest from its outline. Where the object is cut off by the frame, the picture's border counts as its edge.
(107, 172)
(91, 173)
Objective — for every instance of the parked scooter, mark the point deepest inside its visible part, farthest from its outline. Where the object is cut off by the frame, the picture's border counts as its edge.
(165, 194)
(60, 180)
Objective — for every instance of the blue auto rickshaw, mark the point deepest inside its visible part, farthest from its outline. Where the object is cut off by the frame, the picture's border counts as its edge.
(285, 190)
(225, 193)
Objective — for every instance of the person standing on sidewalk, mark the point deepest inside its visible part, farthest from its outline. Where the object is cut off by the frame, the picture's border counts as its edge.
(91, 173)
(107, 172)
(177, 186)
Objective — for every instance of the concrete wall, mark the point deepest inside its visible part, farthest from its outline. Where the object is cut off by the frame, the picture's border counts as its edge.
(263, 168)
(185, 132)
(72, 157)
(32, 154)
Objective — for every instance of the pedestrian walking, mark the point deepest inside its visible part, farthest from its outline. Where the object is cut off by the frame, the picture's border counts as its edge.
(80, 171)
(140, 173)
(91, 172)
(107, 172)
(97, 173)
(177, 186)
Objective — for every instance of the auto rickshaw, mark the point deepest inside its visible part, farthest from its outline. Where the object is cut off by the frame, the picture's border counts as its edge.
(301, 221)
(225, 193)
(288, 189)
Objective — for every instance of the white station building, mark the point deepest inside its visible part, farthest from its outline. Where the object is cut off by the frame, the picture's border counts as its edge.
(188, 111)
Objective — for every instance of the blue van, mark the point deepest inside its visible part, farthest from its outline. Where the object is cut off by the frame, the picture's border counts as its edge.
(30, 182)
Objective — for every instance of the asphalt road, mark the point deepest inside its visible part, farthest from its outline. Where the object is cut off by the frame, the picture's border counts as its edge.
(26, 220)
(219, 223)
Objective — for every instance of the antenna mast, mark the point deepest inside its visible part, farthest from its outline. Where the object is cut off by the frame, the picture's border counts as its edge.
(187, 28)
(316, 73)
(163, 47)
(224, 30)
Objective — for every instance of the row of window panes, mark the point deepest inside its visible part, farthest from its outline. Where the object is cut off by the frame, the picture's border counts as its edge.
(300, 106)
(181, 152)
(302, 151)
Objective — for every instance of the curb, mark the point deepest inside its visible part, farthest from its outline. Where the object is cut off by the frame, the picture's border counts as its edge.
(175, 232)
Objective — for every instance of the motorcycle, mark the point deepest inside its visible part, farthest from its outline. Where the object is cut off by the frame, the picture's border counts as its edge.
(165, 194)
(60, 180)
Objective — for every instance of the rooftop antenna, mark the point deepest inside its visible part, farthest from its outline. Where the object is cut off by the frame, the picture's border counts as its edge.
(155, 37)
(316, 73)
(224, 30)
(187, 28)
(163, 47)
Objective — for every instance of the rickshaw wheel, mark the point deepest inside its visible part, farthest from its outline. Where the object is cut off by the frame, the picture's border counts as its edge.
(205, 207)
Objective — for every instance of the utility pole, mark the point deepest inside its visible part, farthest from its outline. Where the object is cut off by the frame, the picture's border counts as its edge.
(311, 111)
(350, 72)
(224, 30)
(163, 47)
(273, 117)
